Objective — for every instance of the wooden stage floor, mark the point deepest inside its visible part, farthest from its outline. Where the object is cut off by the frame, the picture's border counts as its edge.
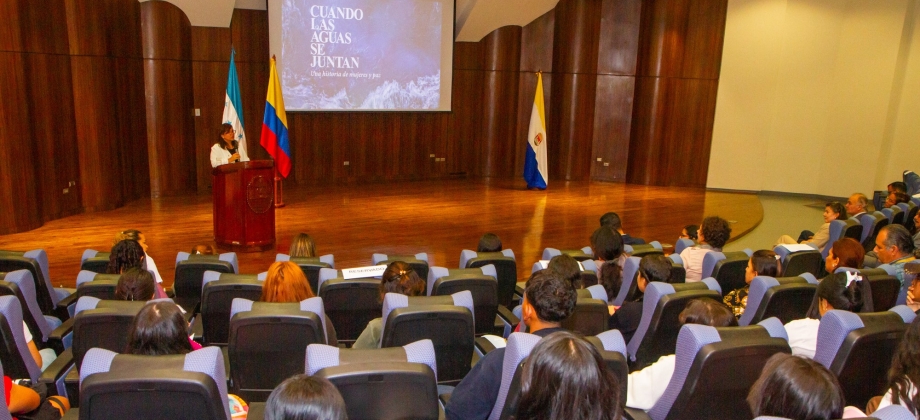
(438, 217)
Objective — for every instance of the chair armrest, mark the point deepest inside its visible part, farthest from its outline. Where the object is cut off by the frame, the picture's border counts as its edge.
(509, 319)
(63, 308)
(444, 399)
(636, 414)
(56, 339)
(57, 370)
(483, 346)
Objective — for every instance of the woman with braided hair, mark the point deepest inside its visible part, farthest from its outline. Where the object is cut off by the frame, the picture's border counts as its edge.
(398, 278)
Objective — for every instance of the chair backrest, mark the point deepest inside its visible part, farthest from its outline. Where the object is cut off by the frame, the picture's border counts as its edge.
(579, 255)
(480, 282)
(419, 262)
(794, 263)
(852, 229)
(19, 283)
(590, 315)
(217, 294)
(715, 368)
(910, 211)
(15, 357)
(190, 273)
(589, 274)
(505, 268)
(104, 324)
(641, 250)
(682, 244)
(728, 269)
(894, 214)
(786, 298)
(36, 261)
(858, 348)
(872, 223)
(445, 320)
(310, 266)
(350, 304)
(94, 261)
(102, 286)
(885, 287)
(659, 325)
(267, 343)
(628, 287)
(390, 383)
(678, 273)
(131, 386)
(894, 412)
(893, 272)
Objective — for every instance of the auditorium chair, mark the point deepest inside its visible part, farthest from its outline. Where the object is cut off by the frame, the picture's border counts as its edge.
(57, 302)
(587, 278)
(678, 272)
(682, 244)
(46, 330)
(350, 304)
(268, 340)
(591, 314)
(872, 223)
(728, 268)
(128, 386)
(894, 214)
(217, 295)
(480, 282)
(505, 267)
(419, 262)
(628, 288)
(310, 266)
(786, 298)
(891, 412)
(94, 261)
(910, 210)
(858, 348)
(659, 325)
(891, 271)
(885, 287)
(445, 320)
(190, 272)
(651, 248)
(714, 370)
(102, 286)
(795, 263)
(583, 254)
(15, 357)
(389, 383)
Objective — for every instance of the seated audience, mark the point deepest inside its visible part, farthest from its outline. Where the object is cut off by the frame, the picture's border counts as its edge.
(844, 252)
(713, 234)
(612, 221)
(916, 231)
(24, 403)
(793, 387)
(896, 187)
(762, 263)
(626, 318)
(548, 300)
(203, 249)
(303, 397)
(398, 278)
(129, 253)
(857, 204)
(566, 378)
(904, 373)
(645, 387)
(912, 270)
(895, 198)
(607, 245)
(895, 247)
(567, 268)
(489, 243)
(140, 238)
(689, 232)
(286, 283)
(842, 291)
(302, 246)
(138, 285)
(832, 211)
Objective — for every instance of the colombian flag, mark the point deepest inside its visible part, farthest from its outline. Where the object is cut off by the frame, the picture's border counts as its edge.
(274, 125)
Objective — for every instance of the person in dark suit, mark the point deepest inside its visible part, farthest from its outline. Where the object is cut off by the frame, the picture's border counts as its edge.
(612, 220)
(627, 317)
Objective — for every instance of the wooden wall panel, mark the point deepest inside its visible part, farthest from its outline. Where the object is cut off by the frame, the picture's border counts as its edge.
(166, 31)
(43, 26)
(501, 60)
(11, 30)
(537, 44)
(704, 39)
(249, 36)
(618, 41)
(87, 25)
(132, 126)
(689, 131)
(210, 44)
(253, 77)
(573, 124)
(18, 189)
(612, 124)
(124, 29)
(170, 127)
(466, 121)
(468, 55)
(577, 25)
(209, 79)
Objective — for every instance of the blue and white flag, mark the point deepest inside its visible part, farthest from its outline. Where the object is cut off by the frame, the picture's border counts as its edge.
(233, 109)
(535, 172)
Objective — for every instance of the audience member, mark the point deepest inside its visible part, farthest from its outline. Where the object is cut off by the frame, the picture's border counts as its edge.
(567, 268)
(129, 253)
(845, 291)
(398, 278)
(916, 232)
(489, 242)
(689, 232)
(135, 284)
(645, 387)
(140, 238)
(895, 247)
(548, 300)
(832, 211)
(159, 329)
(912, 272)
(303, 397)
(203, 249)
(897, 186)
(285, 283)
(713, 234)
(844, 252)
(857, 204)
(302, 246)
(626, 318)
(24, 403)
(566, 378)
(607, 245)
(793, 387)
(904, 374)
(762, 263)
(895, 198)
(612, 221)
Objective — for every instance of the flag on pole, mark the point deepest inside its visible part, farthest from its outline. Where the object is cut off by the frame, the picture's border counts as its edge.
(274, 125)
(535, 172)
(233, 109)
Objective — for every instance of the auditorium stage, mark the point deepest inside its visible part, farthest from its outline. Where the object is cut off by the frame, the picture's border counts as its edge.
(438, 217)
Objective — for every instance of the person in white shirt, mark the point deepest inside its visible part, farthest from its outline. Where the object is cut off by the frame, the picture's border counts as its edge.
(844, 291)
(713, 234)
(226, 150)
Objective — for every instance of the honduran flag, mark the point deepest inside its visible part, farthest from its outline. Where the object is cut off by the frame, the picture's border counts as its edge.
(535, 172)
(274, 125)
(233, 109)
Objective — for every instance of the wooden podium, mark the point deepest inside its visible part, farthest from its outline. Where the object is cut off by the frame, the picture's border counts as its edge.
(244, 212)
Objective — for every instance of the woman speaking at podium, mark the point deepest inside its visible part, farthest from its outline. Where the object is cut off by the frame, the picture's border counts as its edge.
(225, 150)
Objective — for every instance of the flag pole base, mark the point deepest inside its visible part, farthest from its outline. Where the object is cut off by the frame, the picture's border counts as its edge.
(279, 194)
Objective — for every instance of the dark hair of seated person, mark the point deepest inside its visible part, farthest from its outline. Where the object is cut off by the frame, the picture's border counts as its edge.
(692, 231)
(706, 311)
(765, 263)
(565, 378)
(566, 267)
(203, 249)
(607, 245)
(834, 290)
(795, 387)
(302, 246)
(135, 284)
(399, 277)
(126, 254)
(551, 296)
(838, 208)
(904, 373)
(303, 397)
(848, 251)
(655, 267)
(716, 231)
(159, 329)
(489, 242)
